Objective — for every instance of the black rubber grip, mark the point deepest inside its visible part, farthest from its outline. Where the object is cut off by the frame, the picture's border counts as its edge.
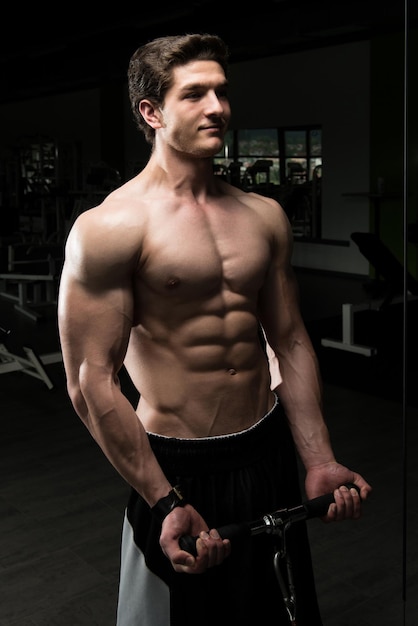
(317, 507)
(188, 543)
(234, 532)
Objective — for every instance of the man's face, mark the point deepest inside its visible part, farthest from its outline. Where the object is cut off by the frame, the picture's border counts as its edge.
(196, 109)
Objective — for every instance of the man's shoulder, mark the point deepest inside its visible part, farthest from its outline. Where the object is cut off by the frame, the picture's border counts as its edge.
(249, 197)
(115, 225)
(265, 205)
(269, 212)
(120, 206)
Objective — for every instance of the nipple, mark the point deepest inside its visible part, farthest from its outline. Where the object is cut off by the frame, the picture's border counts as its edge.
(173, 282)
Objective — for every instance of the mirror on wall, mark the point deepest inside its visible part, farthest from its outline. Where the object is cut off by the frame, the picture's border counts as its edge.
(369, 363)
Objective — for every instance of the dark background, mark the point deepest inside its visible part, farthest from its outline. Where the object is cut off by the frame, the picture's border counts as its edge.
(45, 51)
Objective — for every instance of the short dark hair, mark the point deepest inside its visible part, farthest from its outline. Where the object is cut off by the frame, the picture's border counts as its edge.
(150, 68)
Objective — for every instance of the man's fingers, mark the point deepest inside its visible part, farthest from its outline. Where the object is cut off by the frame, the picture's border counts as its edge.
(348, 503)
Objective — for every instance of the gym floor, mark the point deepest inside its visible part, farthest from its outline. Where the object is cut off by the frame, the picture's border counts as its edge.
(61, 503)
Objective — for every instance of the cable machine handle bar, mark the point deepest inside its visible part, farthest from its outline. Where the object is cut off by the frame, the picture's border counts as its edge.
(270, 523)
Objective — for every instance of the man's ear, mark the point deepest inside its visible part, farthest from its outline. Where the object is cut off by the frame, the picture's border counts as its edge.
(151, 114)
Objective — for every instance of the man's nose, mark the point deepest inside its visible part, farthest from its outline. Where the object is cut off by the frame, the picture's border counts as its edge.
(214, 104)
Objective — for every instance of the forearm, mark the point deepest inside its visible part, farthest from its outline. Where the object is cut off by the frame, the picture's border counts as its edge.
(115, 426)
(301, 395)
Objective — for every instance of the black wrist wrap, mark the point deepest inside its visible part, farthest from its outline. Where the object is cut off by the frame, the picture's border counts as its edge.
(165, 505)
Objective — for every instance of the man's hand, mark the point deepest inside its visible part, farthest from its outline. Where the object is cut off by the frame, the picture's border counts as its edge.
(332, 477)
(211, 548)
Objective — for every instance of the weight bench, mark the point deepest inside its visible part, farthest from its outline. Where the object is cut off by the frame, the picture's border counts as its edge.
(29, 291)
(387, 266)
(33, 290)
(31, 364)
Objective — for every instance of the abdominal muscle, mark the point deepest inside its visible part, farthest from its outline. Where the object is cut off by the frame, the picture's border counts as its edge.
(191, 388)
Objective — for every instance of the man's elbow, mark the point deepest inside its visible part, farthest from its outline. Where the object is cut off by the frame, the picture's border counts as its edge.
(78, 401)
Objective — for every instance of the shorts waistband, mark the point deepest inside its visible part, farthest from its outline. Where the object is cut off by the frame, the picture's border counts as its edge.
(220, 451)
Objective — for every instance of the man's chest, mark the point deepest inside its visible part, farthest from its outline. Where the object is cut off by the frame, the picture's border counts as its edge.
(191, 254)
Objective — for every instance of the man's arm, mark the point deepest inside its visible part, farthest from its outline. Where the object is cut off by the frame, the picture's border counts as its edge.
(301, 389)
(95, 313)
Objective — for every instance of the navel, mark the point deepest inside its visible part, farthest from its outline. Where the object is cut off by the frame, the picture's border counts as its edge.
(231, 371)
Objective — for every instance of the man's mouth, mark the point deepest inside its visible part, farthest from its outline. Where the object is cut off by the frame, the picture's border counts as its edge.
(217, 127)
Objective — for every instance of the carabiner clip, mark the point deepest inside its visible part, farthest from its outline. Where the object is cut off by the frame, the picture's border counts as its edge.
(287, 589)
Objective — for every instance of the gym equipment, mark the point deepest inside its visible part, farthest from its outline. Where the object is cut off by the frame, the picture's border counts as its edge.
(386, 265)
(30, 364)
(390, 291)
(36, 287)
(258, 175)
(347, 341)
(276, 523)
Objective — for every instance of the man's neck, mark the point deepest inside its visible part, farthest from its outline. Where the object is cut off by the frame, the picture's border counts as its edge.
(182, 173)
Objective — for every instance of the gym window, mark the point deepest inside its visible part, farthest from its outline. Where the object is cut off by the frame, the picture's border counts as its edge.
(284, 163)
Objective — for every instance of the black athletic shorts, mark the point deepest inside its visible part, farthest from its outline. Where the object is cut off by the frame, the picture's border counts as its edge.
(231, 478)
